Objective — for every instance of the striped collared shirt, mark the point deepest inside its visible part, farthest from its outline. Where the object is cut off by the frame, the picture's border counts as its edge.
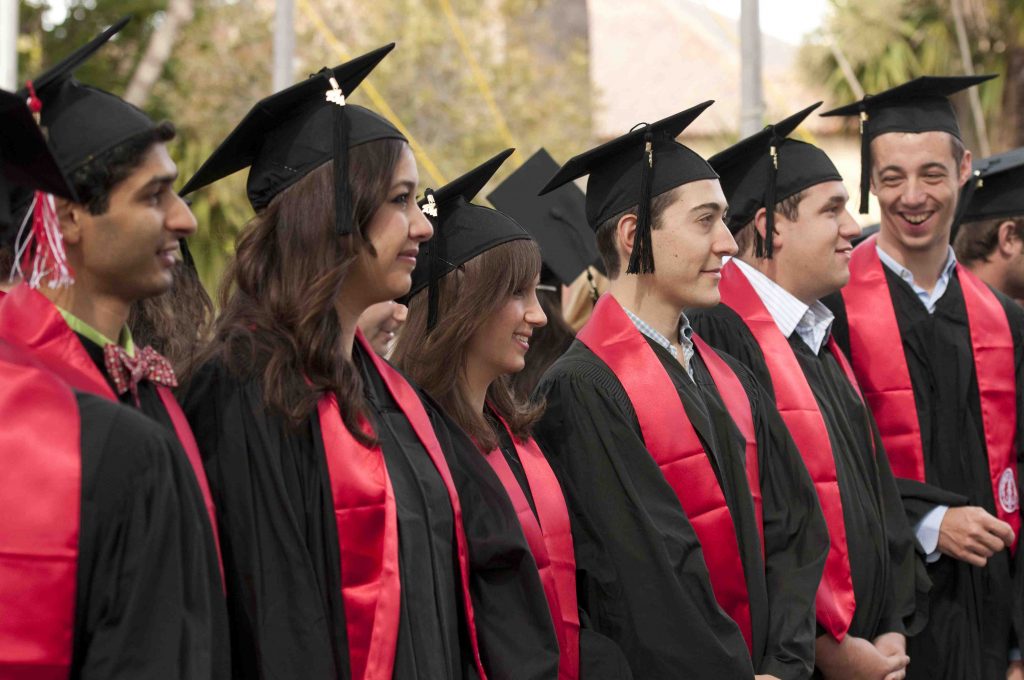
(812, 323)
(685, 338)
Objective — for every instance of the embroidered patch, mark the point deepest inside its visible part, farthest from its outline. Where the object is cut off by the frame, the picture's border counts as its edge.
(1008, 491)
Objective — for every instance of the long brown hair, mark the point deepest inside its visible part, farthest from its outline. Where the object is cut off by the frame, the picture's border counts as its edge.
(280, 292)
(469, 295)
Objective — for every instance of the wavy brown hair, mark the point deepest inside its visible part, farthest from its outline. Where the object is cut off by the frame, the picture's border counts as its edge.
(469, 295)
(279, 295)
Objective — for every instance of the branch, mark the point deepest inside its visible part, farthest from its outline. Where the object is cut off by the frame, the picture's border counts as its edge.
(158, 51)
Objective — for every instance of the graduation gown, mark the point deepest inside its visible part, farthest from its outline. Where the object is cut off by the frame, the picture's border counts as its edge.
(144, 601)
(595, 657)
(974, 612)
(889, 581)
(641, 574)
(281, 553)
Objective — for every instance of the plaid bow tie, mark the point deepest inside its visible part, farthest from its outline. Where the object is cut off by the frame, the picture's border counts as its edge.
(128, 371)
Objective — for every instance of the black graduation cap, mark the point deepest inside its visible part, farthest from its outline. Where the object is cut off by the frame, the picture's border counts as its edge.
(921, 105)
(81, 121)
(287, 135)
(767, 167)
(996, 188)
(26, 161)
(462, 230)
(557, 220)
(631, 170)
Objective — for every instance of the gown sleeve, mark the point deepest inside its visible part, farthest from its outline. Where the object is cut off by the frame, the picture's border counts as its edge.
(641, 575)
(150, 604)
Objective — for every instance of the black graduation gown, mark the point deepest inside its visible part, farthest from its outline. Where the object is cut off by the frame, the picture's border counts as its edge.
(600, 658)
(641, 574)
(889, 580)
(149, 601)
(280, 543)
(972, 610)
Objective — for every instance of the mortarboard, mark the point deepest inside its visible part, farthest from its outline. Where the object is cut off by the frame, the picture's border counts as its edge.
(765, 168)
(631, 170)
(287, 135)
(921, 105)
(462, 229)
(996, 188)
(557, 220)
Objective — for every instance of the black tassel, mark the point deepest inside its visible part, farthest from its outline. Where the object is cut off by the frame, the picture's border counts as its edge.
(865, 162)
(766, 247)
(437, 257)
(641, 260)
(341, 130)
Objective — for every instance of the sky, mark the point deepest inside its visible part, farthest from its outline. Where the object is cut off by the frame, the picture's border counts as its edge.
(786, 19)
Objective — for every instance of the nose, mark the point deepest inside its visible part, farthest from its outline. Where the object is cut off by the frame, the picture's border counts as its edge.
(420, 228)
(913, 193)
(849, 229)
(535, 315)
(724, 244)
(180, 219)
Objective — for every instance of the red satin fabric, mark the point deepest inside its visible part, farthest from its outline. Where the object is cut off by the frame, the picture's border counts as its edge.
(835, 601)
(550, 541)
(40, 501)
(676, 448)
(886, 378)
(412, 407)
(364, 508)
(30, 321)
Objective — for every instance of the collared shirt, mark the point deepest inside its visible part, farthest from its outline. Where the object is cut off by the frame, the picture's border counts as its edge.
(685, 338)
(928, 299)
(82, 328)
(812, 323)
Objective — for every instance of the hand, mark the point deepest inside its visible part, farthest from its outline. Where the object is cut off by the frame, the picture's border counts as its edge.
(765, 677)
(380, 323)
(894, 644)
(970, 534)
(1015, 671)
(857, 659)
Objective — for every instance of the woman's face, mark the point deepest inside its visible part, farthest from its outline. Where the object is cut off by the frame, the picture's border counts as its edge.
(499, 346)
(395, 231)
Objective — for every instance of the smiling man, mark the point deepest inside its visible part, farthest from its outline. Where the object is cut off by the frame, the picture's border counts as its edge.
(938, 355)
(699, 541)
(791, 254)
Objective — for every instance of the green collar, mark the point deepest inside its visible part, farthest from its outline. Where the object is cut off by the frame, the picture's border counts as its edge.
(82, 328)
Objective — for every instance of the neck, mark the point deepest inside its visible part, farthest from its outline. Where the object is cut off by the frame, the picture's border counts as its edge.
(105, 313)
(924, 263)
(636, 294)
(991, 272)
(348, 314)
(475, 383)
(770, 268)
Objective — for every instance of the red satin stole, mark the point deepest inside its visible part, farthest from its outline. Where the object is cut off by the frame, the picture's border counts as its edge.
(364, 505)
(886, 378)
(549, 536)
(674, 445)
(40, 501)
(835, 601)
(29, 320)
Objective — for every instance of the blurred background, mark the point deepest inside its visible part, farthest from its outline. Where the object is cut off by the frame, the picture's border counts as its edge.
(471, 77)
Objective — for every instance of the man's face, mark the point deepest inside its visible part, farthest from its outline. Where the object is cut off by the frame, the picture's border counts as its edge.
(689, 245)
(130, 251)
(917, 181)
(813, 251)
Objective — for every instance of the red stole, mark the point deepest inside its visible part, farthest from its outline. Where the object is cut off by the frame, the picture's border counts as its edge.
(364, 505)
(40, 499)
(835, 602)
(28, 319)
(674, 445)
(886, 378)
(550, 541)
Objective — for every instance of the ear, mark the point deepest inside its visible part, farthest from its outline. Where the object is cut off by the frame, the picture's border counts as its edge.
(965, 167)
(625, 233)
(761, 226)
(71, 216)
(1008, 242)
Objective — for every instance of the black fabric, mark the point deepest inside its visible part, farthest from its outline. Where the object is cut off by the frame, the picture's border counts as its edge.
(641, 575)
(994, 191)
(889, 579)
(280, 543)
(149, 602)
(557, 220)
(974, 612)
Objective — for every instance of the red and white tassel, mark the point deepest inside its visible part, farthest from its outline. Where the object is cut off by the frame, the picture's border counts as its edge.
(40, 253)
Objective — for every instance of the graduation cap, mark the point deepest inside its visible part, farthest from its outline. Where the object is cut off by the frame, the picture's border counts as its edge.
(462, 230)
(82, 122)
(766, 168)
(996, 188)
(633, 169)
(557, 220)
(287, 135)
(921, 105)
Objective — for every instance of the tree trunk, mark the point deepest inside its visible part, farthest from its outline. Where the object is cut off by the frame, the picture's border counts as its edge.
(158, 51)
(1012, 134)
